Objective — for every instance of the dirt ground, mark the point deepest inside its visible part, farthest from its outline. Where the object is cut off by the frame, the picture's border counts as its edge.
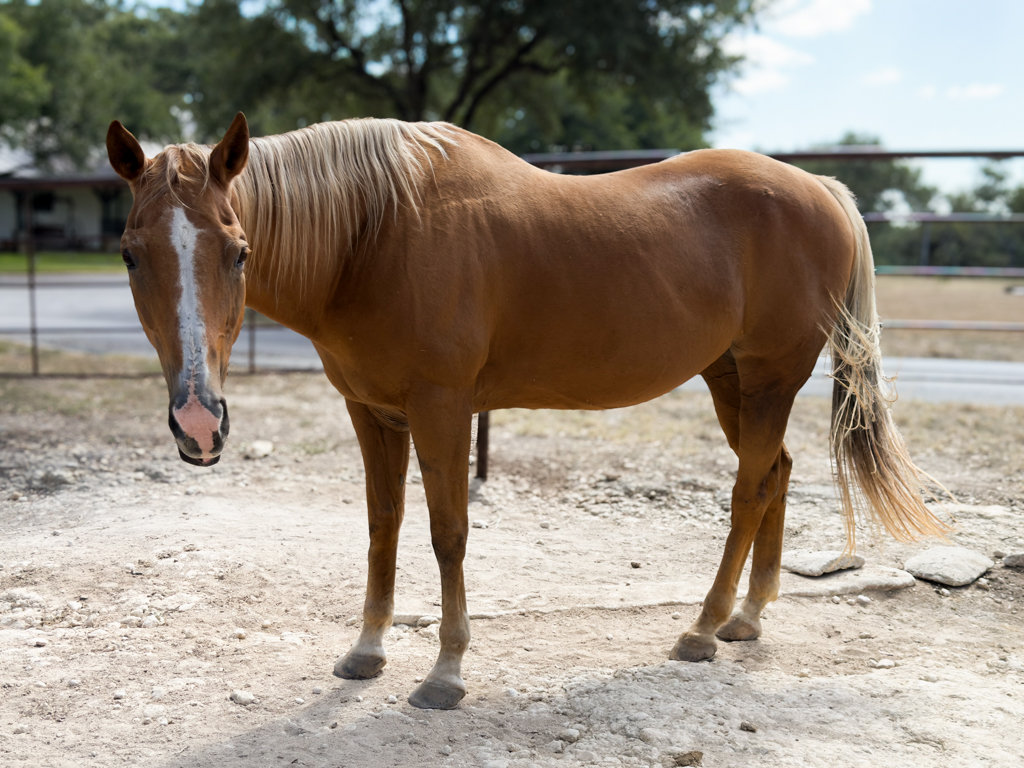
(137, 593)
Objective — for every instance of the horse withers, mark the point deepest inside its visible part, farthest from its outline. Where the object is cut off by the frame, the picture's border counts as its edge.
(438, 276)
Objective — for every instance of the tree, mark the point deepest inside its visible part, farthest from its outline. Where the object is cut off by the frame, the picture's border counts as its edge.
(614, 73)
(878, 184)
(23, 87)
(93, 61)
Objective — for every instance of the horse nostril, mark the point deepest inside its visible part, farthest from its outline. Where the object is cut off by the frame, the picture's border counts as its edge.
(225, 424)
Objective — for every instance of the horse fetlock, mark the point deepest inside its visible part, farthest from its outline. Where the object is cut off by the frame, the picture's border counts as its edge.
(693, 646)
(359, 664)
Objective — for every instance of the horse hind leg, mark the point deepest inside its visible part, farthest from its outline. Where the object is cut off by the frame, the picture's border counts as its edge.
(722, 378)
(745, 623)
(755, 430)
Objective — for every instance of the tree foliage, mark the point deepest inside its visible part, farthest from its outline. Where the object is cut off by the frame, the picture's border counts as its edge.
(527, 73)
(86, 62)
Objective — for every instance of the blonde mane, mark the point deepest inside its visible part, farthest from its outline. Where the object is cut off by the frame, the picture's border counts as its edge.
(306, 196)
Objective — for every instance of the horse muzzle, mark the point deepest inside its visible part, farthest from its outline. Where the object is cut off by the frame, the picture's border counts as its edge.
(200, 428)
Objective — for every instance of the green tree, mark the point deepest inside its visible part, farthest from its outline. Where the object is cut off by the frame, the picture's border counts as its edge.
(23, 87)
(875, 181)
(99, 60)
(527, 73)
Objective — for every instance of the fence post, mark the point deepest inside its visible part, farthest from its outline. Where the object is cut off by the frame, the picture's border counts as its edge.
(30, 258)
(483, 428)
(250, 319)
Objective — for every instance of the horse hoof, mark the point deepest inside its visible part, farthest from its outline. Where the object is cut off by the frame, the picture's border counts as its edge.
(432, 694)
(740, 628)
(693, 648)
(359, 666)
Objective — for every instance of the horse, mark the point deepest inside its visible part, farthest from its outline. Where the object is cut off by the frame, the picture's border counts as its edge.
(439, 275)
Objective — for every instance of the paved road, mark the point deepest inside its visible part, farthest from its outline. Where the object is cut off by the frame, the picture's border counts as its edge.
(84, 301)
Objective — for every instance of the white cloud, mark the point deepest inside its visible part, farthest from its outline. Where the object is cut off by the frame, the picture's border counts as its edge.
(928, 92)
(883, 76)
(766, 62)
(813, 18)
(975, 91)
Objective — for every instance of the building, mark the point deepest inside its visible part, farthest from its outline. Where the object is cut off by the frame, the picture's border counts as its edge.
(70, 211)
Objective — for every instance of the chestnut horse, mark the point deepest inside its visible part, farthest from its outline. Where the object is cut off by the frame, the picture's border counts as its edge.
(438, 275)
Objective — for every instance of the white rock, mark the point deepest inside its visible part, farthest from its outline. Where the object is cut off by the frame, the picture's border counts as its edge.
(953, 566)
(446, 750)
(158, 693)
(299, 700)
(555, 746)
(569, 735)
(119, 694)
(863, 600)
(317, 691)
(21, 729)
(242, 697)
(837, 599)
(149, 622)
(239, 634)
(426, 621)
(930, 678)
(74, 682)
(259, 449)
(392, 699)
(40, 642)
(1016, 560)
(816, 563)
(479, 523)
(883, 664)
(351, 620)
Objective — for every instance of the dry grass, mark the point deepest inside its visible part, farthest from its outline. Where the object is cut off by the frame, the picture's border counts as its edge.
(17, 358)
(938, 298)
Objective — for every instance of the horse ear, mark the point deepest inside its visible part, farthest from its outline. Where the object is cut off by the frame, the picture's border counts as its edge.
(125, 152)
(229, 157)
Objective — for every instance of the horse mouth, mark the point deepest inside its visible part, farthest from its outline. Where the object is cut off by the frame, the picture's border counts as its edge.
(198, 462)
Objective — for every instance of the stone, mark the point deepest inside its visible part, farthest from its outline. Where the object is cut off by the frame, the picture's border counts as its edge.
(445, 750)
(748, 727)
(952, 566)
(119, 694)
(242, 697)
(40, 642)
(1016, 560)
(863, 600)
(850, 581)
(158, 693)
(479, 523)
(817, 563)
(555, 746)
(392, 699)
(21, 728)
(690, 757)
(569, 735)
(299, 700)
(149, 622)
(74, 682)
(239, 634)
(317, 691)
(836, 599)
(634, 564)
(883, 664)
(930, 678)
(427, 620)
(259, 449)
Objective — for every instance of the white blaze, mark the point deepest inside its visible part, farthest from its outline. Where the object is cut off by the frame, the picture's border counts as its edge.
(191, 329)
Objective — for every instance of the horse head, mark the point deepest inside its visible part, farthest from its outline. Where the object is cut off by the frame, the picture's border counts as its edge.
(185, 252)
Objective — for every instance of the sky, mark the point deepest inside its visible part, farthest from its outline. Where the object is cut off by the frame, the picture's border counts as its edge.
(918, 74)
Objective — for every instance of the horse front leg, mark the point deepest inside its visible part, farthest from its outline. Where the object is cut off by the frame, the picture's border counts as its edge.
(385, 449)
(441, 424)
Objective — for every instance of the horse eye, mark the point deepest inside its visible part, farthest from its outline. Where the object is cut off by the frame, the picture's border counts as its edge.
(242, 256)
(129, 260)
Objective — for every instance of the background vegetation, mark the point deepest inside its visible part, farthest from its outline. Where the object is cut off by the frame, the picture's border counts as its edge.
(533, 75)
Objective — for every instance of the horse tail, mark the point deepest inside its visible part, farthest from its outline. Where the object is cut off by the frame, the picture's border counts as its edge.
(867, 448)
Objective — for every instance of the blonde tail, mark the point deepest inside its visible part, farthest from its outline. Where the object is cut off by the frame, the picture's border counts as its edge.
(867, 448)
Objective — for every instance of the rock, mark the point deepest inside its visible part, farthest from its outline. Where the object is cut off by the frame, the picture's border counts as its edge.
(445, 750)
(239, 634)
(149, 622)
(545, 524)
(677, 616)
(74, 682)
(944, 592)
(634, 564)
(555, 746)
(804, 673)
(351, 620)
(952, 566)
(817, 563)
(653, 736)
(479, 523)
(1016, 560)
(883, 664)
(569, 735)
(392, 699)
(836, 599)
(242, 697)
(299, 700)
(259, 449)
(863, 600)
(119, 694)
(682, 759)
(40, 642)
(427, 620)
(865, 636)
(158, 693)
(21, 728)
(930, 678)
(748, 727)
(317, 691)
(851, 581)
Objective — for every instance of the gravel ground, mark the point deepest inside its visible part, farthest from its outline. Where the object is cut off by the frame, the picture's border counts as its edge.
(137, 594)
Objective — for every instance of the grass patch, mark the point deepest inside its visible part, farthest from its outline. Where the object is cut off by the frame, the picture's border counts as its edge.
(17, 358)
(17, 263)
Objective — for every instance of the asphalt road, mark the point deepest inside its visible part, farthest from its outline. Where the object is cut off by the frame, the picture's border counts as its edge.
(86, 301)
